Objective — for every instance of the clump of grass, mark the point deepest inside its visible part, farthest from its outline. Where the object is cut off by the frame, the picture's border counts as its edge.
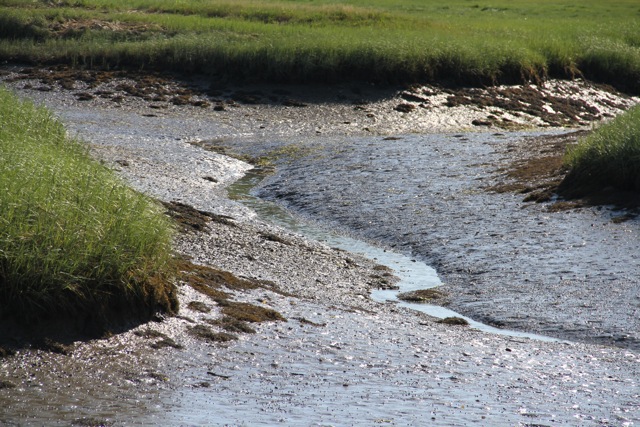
(608, 157)
(74, 240)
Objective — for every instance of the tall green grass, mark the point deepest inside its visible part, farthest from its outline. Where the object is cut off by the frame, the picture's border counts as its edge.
(610, 156)
(74, 240)
(464, 41)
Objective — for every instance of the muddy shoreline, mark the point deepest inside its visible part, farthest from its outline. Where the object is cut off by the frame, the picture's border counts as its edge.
(340, 357)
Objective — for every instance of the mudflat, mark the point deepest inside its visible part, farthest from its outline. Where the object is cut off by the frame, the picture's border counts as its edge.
(331, 355)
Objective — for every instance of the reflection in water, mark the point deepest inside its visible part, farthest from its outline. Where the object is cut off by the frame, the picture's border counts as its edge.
(413, 274)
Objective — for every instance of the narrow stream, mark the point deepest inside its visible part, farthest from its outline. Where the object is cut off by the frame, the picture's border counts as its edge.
(413, 274)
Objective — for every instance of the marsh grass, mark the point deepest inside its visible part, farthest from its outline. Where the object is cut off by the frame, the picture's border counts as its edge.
(74, 240)
(608, 157)
(388, 41)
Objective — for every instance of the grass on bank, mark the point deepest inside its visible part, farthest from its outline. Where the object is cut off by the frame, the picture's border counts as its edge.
(389, 41)
(608, 157)
(74, 240)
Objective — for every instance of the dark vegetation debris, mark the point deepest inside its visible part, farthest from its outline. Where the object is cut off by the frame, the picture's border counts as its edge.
(305, 321)
(422, 295)
(191, 219)
(217, 285)
(553, 110)
(205, 333)
(405, 108)
(454, 321)
(213, 374)
(153, 87)
(199, 306)
(231, 324)
(248, 312)
(166, 342)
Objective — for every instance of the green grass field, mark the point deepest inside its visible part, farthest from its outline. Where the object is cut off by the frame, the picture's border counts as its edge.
(388, 41)
(74, 240)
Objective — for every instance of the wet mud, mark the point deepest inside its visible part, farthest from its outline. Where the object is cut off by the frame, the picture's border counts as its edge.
(341, 358)
(506, 258)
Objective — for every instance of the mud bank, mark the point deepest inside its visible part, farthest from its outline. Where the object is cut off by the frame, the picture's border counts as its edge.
(272, 111)
(340, 358)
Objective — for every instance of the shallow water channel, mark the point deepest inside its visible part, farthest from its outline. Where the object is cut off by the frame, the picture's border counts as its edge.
(413, 274)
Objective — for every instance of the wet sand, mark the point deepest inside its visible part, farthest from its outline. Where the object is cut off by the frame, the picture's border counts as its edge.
(340, 358)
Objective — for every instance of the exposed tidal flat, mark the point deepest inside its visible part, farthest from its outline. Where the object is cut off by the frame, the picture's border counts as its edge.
(569, 274)
(340, 358)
